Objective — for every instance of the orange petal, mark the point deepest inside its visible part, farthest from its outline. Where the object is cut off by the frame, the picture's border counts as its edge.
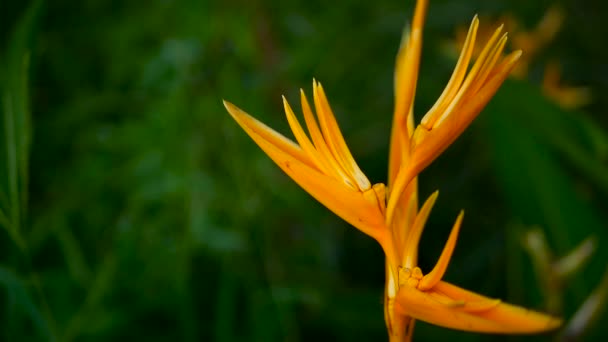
(495, 317)
(433, 277)
(325, 154)
(455, 82)
(406, 76)
(438, 139)
(472, 78)
(335, 140)
(361, 209)
(410, 250)
(304, 141)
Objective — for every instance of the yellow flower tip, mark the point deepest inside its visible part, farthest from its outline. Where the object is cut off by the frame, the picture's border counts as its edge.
(410, 248)
(433, 277)
(516, 54)
(499, 29)
(227, 105)
(234, 111)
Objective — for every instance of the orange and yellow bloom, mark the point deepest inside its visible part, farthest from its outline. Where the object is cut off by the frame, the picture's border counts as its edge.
(534, 41)
(321, 163)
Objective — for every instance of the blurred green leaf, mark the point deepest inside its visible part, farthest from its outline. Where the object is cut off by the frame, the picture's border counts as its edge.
(14, 65)
(524, 133)
(20, 302)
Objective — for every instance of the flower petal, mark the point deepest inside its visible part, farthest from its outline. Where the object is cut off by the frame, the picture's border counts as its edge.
(335, 140)
(455, 81)
(360, 209)
(495, 317)
(410, 250)
(521, 320)
(438, 139)
(430, 279)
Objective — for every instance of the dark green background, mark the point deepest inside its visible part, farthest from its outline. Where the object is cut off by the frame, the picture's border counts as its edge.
(134, 208)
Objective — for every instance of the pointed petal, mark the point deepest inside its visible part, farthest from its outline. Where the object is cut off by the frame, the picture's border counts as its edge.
(360, 209)
(498, 318)
(457, 77)
(406, 204)
(406, 76)
(438, 139)
(324, 153)
(410, 257)
(519, 319)
(263, 132)
(488, 66)
(407, 65)
(433, 277)
(303, 140)
(420, 305)
(335, 140)
(470, 80)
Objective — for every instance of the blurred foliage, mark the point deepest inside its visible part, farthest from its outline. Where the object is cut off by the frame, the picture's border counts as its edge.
(132, 207)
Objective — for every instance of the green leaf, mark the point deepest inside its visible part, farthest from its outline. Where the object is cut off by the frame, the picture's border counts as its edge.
(19, 301)
(16, 121)
(528, 136)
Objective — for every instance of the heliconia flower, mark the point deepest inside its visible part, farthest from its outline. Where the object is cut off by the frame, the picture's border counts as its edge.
(321, 163)
(534, 41)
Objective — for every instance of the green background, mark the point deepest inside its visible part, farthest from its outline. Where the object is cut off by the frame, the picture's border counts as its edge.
(134, 208)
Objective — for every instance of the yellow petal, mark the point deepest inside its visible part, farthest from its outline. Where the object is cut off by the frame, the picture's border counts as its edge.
(325, 154)
(406, 207)
(495, 317)
(472, 77)
(410, 257)
(256, 128)
(438, 139)
(335, 140)
(406, 76)
(407, 65)
(521, 320)
(433, 277)
(304, 142)
(488, 66)
(455, 82)
(360, 209)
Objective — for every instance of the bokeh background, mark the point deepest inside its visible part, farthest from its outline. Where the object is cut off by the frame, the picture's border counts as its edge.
(134, 208)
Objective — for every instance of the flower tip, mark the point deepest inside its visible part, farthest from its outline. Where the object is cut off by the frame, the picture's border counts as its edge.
(516, 54)
(234, 111)
(229, 106)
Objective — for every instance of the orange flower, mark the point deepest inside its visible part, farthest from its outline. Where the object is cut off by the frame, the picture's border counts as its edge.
(534, 41)
(321, 163)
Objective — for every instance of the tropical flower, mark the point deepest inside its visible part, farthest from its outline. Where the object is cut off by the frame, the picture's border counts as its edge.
(321, 163)
(534, 41)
